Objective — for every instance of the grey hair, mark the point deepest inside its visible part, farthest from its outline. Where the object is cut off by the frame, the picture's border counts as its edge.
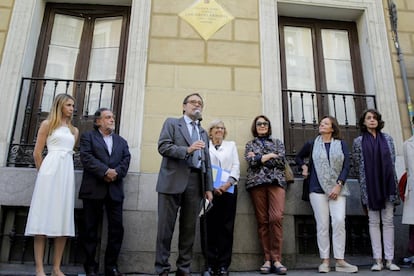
(215, 123)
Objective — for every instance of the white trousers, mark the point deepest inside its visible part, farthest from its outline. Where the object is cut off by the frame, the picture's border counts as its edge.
(323, 208)
(374, 219)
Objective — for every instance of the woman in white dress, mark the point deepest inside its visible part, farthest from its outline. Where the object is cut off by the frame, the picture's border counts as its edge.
(51, 211)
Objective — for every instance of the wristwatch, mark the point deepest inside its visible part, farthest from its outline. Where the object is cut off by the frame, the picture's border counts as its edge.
(340, 182)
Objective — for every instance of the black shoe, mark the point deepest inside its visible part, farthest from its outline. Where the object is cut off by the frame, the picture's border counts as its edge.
(223, 272)
(182, 273)
(164, 273)
(113, 272)
(90, 270)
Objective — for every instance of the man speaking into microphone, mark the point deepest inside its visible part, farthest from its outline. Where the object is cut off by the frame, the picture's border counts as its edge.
(183, 145)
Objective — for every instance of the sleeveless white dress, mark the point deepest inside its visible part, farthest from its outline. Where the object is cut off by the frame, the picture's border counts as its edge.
(52, 208)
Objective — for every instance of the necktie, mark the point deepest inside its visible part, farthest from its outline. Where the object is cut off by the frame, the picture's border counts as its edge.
(196, 154)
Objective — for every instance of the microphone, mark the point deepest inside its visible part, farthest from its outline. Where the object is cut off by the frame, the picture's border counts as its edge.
(198, 116)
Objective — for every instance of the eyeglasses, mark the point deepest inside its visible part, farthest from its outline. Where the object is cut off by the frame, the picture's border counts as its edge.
(195, 102)
(222, 128)
(264, 124)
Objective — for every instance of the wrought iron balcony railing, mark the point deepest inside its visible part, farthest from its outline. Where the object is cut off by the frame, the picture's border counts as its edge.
(302, 111)
(35, 99)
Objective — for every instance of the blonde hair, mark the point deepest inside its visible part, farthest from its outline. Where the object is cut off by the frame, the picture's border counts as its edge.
(55, 114)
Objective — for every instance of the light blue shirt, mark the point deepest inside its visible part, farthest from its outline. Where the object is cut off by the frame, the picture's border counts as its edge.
(108, 141)
(190, 126)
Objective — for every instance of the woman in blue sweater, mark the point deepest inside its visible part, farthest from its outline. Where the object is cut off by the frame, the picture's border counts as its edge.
(327, 174)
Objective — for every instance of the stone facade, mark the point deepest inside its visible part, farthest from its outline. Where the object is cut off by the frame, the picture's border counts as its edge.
(405, 13)
(6, 8)
(237, 72)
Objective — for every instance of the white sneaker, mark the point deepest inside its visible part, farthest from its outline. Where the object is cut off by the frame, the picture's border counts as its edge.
(346, 267)
(377, 267)
(324, 268)
(392, 267)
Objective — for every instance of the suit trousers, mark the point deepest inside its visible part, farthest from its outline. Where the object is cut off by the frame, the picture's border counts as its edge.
(269, 205)
(220, 228)
(188, 204)
(93, 210)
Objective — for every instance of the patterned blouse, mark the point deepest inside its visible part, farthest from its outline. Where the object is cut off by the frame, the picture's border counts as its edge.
(270, 172)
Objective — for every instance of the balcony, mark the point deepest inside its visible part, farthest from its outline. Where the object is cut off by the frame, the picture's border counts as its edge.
(35, 99)
(302, 111)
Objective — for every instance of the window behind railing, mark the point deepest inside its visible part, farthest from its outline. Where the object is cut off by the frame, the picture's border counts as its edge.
(321, 74)
(81, 51)
(301, 115)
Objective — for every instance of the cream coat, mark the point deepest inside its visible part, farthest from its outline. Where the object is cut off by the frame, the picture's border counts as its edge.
(408, 209)
(226, 157)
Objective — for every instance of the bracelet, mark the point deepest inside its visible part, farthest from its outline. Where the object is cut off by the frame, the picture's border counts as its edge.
(340, 182)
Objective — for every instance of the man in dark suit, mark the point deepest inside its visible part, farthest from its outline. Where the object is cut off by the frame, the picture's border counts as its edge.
(105, 158)
(179, 184)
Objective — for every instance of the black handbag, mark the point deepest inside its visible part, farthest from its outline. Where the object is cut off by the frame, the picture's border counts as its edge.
(305, 188)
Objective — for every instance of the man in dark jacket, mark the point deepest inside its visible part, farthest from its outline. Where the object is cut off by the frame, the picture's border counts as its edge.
(105, 158)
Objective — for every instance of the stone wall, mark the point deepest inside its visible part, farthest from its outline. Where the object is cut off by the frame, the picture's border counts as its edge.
(6, 7)
(405, 13)
(137, 254)
(227, 71)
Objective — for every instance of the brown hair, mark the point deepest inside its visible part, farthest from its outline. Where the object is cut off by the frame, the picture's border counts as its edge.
(336, 134)
(254, 128)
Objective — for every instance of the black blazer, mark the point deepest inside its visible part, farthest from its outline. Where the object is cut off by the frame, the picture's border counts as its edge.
(96, 161)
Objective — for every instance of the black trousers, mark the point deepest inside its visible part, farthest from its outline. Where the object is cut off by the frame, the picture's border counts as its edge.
(93, 210)
(220, 227)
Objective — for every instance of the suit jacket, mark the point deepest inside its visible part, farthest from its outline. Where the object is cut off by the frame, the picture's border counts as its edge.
(175, 170)
(96, 160)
